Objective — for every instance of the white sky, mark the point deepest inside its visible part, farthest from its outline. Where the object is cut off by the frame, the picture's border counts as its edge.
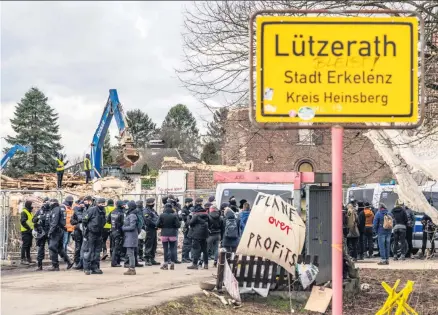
(76, 51)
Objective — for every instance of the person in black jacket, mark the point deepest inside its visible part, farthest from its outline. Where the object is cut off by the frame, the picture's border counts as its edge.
(199, 232)
(216, 227)
(361, 227)
(76, 221)
(399, 229)
(428, 234)
(169, 224)
(56, 235)
(94, 220)
(150, 223)
(187, 242)
(26, 232)
(116, 218)
(41, 222)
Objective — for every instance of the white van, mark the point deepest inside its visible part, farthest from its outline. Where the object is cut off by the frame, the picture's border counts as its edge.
(374, 193)
(249, 192)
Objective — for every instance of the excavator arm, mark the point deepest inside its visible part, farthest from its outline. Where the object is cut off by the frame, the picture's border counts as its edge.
(10, 154)
(128, 154)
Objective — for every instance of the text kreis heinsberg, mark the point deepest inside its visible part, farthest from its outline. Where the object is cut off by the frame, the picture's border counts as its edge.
(301, 47)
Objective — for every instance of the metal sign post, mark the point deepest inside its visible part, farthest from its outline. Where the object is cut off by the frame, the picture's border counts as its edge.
(339, 72)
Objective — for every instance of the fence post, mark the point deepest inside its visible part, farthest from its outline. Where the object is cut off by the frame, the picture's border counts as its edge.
(220, 269)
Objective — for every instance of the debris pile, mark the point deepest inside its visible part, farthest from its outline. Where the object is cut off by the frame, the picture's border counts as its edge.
(40, 181)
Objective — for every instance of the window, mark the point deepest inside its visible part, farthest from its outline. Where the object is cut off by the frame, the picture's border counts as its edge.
(306, 137)
(305, 167)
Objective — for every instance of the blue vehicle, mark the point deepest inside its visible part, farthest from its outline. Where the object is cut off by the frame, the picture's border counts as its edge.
(10, 154)
(128, 154)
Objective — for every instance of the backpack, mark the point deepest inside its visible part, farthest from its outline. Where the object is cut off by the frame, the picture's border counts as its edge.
(387, 222)
(231, 230)
(351, 220)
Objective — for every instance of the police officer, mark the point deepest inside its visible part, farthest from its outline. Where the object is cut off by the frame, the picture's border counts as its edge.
(107, 228)
(88, 201)
(116, 218)
(41, 222)
(56, 235)
(140, 210)
(76, 221)
(94, 221)
(187, 242)
(150, 222)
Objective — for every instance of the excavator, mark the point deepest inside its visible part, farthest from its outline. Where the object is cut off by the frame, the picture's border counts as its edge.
(10, 154)
(127, 155)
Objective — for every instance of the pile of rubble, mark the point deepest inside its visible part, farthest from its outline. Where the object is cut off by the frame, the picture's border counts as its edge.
(40, 181)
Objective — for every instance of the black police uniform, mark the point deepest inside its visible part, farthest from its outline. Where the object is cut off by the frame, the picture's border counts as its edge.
(116, 219)
(93, 221)
(76, 221)
(150, 223)
(187, 242)
(56, 235)
(41, 222)
(140, 210)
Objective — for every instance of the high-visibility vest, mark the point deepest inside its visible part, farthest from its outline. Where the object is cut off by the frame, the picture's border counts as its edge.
(69, 213)
(108, 210)
(29, 220)
(87, 166)
(60, 165)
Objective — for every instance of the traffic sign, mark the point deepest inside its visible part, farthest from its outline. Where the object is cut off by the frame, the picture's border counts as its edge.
(336, 69)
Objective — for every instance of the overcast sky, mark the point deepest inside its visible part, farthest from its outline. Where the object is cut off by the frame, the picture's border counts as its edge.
(76, 51)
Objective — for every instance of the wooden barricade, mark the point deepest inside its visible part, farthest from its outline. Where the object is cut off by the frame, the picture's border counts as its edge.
(260, 272)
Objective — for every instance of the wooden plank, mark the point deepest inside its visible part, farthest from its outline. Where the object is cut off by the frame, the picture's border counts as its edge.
(249, 278)
(220, 271)
(307, 260)
(316, 260)
(243, 267)
(258, 272)
(274, 273)
(265, 273)
(281, 280)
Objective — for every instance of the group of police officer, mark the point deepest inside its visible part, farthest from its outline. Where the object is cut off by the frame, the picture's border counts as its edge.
(94, 220)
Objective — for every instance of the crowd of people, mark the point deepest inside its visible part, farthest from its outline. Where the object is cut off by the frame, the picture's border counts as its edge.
(132, 230)
(362, 222)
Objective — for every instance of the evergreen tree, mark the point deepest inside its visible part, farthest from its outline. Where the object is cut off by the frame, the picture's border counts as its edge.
(210, 154)
(216, 134)
(107, 149)
(36, 124)
(179, 130)
(141, 126)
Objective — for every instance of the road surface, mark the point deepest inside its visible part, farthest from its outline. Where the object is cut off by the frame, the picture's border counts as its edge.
(71, 292)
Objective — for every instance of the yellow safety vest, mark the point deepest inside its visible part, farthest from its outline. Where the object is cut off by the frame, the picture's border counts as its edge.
(87, 166)
(60, 165)
(29, 220)
(108, 210)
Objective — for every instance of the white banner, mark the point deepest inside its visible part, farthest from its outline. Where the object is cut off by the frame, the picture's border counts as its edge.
(230, 283)
(274, 231)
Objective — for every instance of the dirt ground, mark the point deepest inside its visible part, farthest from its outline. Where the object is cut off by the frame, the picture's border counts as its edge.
(423, 299)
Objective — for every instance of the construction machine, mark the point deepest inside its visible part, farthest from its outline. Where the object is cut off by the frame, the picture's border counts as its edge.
(127, 155)
(10, 154)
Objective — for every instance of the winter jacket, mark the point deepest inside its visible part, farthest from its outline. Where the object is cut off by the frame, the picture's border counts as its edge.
(168, 222)
(216, 223)
(199, 224)
(186, 213)
(116, 218)
(243, 217)
(78, 215)
(400, 218)
(150, 219)
(94, 220)
(41, 219)
(353, 231)
(361, 220)
(411, 217)
(130, 229)
(231, 242)
(378, 222)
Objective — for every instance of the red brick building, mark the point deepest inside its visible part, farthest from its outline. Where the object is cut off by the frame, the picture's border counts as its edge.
(299, 150)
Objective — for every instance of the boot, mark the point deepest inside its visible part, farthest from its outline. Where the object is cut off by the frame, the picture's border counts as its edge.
(193, 266)
(105, 255)
(164, 267)
(78, 267)
(24, 262)
(69, 265)
(87, 272)
(139, 265)
(148, 262)
(118, 265)
(40, 266)
(215, 264)
(172, 266)
(53, 268)
(130, 272)
(96, 271)
(205, 266)
(155, 263)
(360, 257)
(186, 261)
(177, 262)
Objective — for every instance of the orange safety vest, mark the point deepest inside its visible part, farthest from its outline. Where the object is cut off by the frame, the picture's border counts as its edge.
(69, 213)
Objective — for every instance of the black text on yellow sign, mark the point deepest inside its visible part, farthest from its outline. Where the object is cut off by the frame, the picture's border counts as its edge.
(337, 70)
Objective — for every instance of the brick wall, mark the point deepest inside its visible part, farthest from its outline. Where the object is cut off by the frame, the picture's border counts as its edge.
(245, 144)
